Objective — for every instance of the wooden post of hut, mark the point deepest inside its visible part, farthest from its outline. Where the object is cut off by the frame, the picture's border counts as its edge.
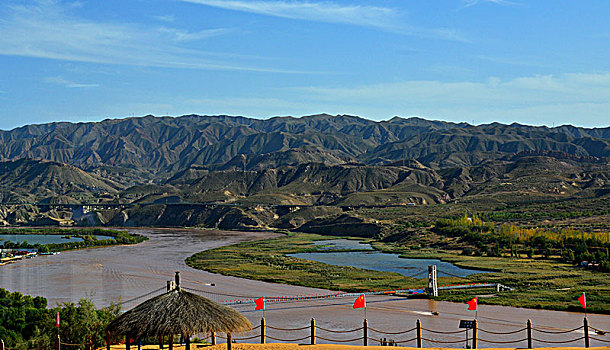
(263, 330)
(157, 316)
(529, 334)
(418, 328)
(229, 341)
(107, 341)
(365, 329)
(170, 342)
(213, 338)
(127, 343)
(313, 331)
(475, 335)
(187, 342)
(586, 329)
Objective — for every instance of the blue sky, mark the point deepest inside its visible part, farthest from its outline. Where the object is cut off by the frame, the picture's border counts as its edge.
(479, 61)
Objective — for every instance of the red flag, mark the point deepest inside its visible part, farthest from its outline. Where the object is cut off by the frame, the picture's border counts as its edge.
(260, 303)
(57, 320)
(360, 302)
(472, 305)
(583, 300)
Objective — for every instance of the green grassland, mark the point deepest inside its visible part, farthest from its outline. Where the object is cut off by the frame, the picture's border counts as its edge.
(538, 282)
(267, 261)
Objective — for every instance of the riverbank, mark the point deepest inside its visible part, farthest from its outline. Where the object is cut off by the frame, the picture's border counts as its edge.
(88, 238)
(538, 283)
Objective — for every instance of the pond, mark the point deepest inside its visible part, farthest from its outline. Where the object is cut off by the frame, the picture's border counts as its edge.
(44, 239)
(376, 260)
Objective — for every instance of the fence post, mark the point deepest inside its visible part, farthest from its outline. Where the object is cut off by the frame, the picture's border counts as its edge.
(1, 344)
(229, 341)
(213, 340)
(475, 334)
(418, 326)
(365, 328)
(58, 343)
(586, 325)
(263, 330)
(313, 331)
(529, 334)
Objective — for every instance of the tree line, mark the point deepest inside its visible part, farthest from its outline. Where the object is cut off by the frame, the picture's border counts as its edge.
(572, 246)
(27, 323)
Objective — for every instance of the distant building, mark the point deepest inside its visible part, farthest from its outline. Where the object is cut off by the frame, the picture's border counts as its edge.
(4, 252)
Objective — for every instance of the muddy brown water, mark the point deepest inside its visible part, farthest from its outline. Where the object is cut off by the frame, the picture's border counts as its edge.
(116, 273)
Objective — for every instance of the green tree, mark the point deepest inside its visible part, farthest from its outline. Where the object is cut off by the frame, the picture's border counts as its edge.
(82, 324)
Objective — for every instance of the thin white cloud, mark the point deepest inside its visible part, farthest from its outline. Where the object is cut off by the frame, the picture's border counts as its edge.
(185, 36)
(166, 18)
(69, 84)
(564, 98)
(46, 29)
(578, 99)
(252, 103)
(469, 3)
(516, 61)
(377, 17)
(373, 16)
(538, 88)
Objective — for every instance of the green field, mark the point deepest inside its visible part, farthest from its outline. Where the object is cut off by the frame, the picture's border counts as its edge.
(267, 261)
(538, 282)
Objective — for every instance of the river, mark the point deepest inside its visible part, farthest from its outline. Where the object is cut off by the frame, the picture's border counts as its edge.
(125, 272)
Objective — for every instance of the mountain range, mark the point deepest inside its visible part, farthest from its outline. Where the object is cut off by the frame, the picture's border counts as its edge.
(160, 146)
(314, 160)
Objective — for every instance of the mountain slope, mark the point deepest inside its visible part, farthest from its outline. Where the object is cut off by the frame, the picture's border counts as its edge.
(35, 180)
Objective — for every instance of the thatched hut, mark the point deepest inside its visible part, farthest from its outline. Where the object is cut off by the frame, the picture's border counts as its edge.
(178, 312)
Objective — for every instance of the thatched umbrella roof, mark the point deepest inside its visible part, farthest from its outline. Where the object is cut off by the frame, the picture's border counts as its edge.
(178, 312)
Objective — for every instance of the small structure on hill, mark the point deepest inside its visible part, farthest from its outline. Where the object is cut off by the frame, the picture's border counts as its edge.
(177, 312)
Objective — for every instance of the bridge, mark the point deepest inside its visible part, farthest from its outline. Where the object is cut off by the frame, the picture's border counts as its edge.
(479, 331)
(229, 298)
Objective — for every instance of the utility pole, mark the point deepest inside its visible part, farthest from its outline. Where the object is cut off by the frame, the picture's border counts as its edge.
(432, 282)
